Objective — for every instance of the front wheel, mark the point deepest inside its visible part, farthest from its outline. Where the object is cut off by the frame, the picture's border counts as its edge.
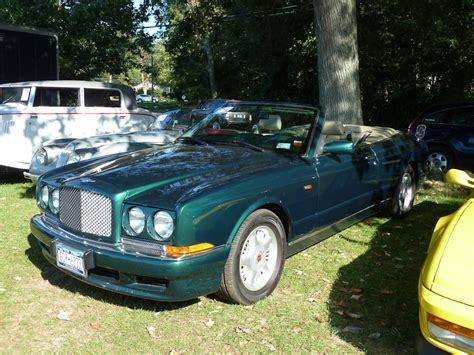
(256, 259)
(404, 196)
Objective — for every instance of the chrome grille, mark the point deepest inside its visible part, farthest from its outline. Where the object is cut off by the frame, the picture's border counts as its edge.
(85, 211)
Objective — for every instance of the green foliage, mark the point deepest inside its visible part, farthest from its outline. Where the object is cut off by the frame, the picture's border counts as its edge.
(95, 36)
(412, 54)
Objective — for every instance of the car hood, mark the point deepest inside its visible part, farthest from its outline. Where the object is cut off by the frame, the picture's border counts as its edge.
(153, 137)
(168, 176)
(449, 267)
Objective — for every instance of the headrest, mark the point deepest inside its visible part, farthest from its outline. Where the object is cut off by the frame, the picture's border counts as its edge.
(353, 128)
(272, 123)
(333, 128)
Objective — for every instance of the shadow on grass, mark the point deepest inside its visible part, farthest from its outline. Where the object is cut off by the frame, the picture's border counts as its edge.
(27, 190)
(57, 278)
(386, 279)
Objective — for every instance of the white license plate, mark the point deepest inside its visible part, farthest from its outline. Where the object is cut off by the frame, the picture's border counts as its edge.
(70, 259)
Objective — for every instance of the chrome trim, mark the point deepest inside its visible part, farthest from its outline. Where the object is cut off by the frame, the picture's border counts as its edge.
(53, 226)
(29, 176)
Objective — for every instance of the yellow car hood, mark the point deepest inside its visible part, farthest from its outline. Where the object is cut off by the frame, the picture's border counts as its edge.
(449, 266)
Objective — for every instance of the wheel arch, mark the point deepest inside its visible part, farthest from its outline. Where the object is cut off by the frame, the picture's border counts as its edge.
(273, 206)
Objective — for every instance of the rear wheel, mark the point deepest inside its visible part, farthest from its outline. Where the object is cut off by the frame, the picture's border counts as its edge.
(404, 196)
(256, 259)
(440, 159)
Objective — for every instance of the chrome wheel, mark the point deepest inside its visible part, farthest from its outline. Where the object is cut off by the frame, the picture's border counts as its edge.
(258, 258)
(407, 193)
(438, 161)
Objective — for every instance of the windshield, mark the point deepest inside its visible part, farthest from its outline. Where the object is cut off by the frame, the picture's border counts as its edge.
(15, 95)
(269, 127)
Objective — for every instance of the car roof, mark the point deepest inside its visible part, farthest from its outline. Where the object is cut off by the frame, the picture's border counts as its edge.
(441, 107)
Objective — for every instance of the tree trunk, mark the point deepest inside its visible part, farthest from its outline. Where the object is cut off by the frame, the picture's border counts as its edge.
(210, 66)
(338, 59)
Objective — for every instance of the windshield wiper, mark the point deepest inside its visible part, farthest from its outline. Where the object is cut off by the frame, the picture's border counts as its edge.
(187, 140)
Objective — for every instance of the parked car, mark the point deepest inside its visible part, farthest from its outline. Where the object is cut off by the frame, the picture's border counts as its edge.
(34, 112)
(446, 286)
(449, 132)
(206, 107)
(220, 210)
(58, 152)
(144, 98)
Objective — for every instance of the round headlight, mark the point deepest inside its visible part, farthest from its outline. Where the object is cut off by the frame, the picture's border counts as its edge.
(44, 197)
(54, 203)
(163, 224)
(73, 158)
(136, 220)
(42, 156)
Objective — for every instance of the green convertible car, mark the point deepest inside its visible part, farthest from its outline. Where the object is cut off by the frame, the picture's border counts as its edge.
(221, 209)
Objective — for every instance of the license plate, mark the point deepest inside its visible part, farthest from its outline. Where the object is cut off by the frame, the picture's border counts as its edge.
(70, 259)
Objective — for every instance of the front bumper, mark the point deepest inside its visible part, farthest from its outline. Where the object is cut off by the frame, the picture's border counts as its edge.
(32, 177)
(137, 275)
(443, 308)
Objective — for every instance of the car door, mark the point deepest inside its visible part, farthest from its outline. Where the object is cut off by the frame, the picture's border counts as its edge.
(15, 109)
(55, 114)
(103, 110)
(347, 184)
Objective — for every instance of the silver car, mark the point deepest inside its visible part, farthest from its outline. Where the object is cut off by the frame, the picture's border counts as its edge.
(56, 153)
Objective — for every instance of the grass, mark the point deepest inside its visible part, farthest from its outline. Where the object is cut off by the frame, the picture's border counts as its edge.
(355, 292)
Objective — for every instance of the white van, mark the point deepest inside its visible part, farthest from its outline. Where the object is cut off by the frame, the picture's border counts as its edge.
(35, 112)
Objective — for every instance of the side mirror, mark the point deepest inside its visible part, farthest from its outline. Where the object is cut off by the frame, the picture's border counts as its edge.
(461, 178)
(339, 147)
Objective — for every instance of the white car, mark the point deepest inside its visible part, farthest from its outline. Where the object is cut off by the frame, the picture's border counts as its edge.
(35, 112)
(59, 152)
(144, 98)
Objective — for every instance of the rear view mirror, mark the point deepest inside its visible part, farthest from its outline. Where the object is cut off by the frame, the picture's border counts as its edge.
(339, 147)
(461, 178)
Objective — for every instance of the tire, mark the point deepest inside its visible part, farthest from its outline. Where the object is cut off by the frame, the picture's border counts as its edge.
(256, 259)
(440, 159)
(404, 196)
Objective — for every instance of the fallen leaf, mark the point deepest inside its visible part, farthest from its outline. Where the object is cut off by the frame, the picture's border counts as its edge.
(326, 280)
(220, 335)
(305, 254)
(248, 307)
(295, 330)
(352, 329)
(341, 304)
(387, 292)
(2, 290)
(318, 318)
(17, 278)
(356, 297)
(312, 300)
(243, 330)
(354, 315)
(341, 313)
(264, 328)
(209, 323)
(16, 325)
(270, 346)
(152, 332)
(63, 315)
(374, 336)
(95, 326)
(356, 290)
(298, 272)
(174, 352)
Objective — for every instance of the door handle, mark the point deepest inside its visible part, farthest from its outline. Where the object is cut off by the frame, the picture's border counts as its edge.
(122, 117)
(33, 117)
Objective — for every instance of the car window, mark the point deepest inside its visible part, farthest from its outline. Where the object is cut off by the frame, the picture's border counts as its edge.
(461, 117)
(102, 98)
(56, 97)
(272, 127)
(19, 95)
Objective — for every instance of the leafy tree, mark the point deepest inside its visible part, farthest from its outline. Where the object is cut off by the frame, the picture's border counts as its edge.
(95, 36)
